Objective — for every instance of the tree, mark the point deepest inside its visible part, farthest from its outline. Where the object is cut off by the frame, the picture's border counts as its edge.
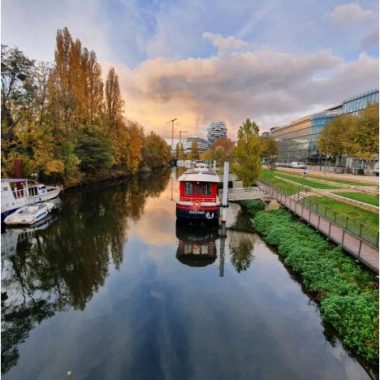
(363, 138)
(114, 122)
(93, 150)
(156, 151)
(16, 92)
(220, 150)
(333, 139)
(246, 155)
(135, 145)
(194, 150)
(269, 149)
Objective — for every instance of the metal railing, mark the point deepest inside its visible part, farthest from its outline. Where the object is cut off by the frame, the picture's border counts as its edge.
(359, 229)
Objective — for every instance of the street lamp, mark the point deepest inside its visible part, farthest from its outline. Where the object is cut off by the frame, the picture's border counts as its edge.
(172, 121)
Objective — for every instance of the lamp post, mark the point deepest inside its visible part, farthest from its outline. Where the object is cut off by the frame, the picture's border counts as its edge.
(172, 121)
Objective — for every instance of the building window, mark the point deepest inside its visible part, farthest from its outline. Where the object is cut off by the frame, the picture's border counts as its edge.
(189, 188)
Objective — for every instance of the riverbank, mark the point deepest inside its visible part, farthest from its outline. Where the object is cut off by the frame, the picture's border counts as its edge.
(346, 292)
(111, 176)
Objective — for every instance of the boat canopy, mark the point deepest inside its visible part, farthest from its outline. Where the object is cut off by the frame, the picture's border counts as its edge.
(194, 175)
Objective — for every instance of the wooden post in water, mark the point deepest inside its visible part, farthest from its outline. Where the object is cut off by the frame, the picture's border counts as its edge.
(225, 191)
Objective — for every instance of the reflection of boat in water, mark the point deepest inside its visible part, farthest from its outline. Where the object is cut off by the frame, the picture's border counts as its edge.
(196, 245)
(13, 240)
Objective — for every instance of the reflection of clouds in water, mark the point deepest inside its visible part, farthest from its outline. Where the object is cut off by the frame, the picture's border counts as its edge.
(157, 224)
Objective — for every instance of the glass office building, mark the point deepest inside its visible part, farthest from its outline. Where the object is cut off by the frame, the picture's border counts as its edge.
(298, 140)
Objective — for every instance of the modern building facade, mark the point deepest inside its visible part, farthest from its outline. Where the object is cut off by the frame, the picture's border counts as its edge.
(297, 141)
(203, 144)
(216, 130)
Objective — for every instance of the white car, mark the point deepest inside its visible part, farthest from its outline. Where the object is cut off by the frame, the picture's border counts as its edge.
(298, 165)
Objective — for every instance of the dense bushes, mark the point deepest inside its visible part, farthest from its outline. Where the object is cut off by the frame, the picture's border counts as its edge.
(347, 293)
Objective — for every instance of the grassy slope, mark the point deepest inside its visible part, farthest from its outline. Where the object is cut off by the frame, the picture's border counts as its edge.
(268, 176)
(348, 294)
(306, 181)
(362, 197)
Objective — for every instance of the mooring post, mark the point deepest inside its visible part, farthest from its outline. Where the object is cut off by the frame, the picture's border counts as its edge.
(223, 236)
(225, 191)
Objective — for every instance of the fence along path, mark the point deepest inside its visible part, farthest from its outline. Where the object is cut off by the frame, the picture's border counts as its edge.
(245, 193)
(362, 250)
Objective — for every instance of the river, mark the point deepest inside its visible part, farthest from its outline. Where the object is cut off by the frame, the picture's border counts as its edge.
(112, 288)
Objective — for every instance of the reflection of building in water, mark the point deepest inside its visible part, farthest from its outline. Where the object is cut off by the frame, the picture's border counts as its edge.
(196, 245)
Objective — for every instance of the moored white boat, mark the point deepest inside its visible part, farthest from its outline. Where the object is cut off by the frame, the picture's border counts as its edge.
(16, 193)
(29, 215)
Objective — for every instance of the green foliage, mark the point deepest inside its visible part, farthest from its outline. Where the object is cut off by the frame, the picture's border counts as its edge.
(269, 149)
(246, 155)
(348, 294)
(156, 152)
(94, 151)
(253, 206)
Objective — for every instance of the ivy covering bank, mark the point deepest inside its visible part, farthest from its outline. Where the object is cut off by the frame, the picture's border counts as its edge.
(347, 293)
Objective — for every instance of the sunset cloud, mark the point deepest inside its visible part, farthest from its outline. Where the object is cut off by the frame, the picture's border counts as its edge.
(197, 61)
(271, 88)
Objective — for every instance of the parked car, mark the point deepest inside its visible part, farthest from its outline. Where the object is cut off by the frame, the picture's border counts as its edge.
(298, 165)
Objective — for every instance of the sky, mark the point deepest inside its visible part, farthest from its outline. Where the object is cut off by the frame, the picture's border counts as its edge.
(272, 61)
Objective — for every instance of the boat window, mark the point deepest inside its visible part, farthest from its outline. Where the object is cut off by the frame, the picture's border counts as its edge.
(5, 188)
(207, 188)
(189, 188)
(197, 189)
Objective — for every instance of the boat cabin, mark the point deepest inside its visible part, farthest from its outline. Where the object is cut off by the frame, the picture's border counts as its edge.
(198, 195)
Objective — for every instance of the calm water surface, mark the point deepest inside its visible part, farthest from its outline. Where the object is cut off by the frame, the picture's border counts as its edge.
(113, 289)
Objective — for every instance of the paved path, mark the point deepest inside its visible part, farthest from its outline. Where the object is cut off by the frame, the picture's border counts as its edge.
(360, 249)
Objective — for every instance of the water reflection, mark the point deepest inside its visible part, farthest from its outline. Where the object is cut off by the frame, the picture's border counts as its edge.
(241, 250)
(60, 265)
(196, 244)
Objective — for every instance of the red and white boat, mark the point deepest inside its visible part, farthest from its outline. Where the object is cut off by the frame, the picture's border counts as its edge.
(198, 195)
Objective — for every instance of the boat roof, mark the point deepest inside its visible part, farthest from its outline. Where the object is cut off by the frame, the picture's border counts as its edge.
(196, 175)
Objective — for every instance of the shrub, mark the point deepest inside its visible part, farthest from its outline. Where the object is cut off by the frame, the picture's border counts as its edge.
(348, 294)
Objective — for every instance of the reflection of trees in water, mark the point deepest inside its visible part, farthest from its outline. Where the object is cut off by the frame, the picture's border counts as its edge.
(68, 262)
(241, 250)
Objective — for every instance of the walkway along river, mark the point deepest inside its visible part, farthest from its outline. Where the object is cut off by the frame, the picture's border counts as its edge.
(113, 289)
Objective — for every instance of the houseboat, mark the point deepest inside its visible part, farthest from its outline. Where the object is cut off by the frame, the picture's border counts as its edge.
(198, 196)
(16, 193)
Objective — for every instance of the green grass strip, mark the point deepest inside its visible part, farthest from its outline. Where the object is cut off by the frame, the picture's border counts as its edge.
(306, 182)
(362, 197)
(268, 177)
(347, 293)
(347, 182)
(360, 222)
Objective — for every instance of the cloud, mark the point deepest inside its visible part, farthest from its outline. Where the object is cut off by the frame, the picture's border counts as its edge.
(224, 43)
(371, 40)
(352, 14)
(270, 87)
